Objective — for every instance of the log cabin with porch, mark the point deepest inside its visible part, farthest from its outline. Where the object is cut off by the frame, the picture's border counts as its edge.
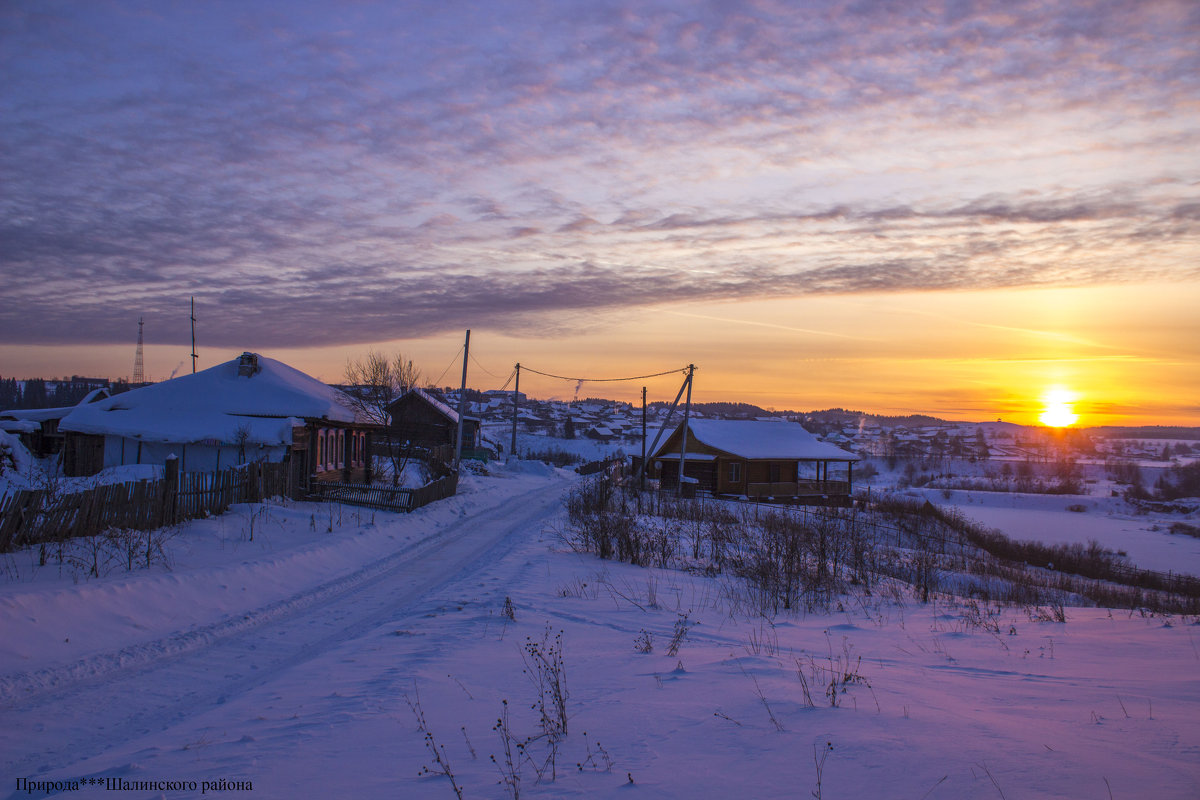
(759, 460)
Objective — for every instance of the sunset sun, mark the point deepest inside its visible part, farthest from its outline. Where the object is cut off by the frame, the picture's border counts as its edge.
(1058, 409)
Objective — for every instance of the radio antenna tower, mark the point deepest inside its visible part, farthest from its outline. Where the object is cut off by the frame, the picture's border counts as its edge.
(139, 372)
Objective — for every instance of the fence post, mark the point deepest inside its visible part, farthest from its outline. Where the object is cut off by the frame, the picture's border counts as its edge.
(170, 489)
(14, 528)
(253, 482)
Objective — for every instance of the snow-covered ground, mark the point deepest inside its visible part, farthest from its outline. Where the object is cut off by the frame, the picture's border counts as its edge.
(586, 449)
(292, 661)
(1145, 538)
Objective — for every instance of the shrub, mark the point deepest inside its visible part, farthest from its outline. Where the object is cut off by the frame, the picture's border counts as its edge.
(555, 456)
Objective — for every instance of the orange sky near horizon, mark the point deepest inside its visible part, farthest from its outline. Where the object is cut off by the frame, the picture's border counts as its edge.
(1129, 354)
(933, 208)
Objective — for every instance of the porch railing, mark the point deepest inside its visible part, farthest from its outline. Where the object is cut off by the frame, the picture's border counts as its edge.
(798, 489)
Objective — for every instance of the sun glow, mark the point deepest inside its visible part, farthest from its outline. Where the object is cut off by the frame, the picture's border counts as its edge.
(1058, 409)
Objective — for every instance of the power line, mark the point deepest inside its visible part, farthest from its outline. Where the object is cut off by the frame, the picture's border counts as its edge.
(438, 382)
(603, 380)
(476, 360)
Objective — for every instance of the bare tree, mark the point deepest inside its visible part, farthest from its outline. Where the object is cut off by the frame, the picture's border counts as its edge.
(373, 383)
(241, 435)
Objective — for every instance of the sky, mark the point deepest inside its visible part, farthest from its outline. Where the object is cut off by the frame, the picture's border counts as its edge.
(953, 208)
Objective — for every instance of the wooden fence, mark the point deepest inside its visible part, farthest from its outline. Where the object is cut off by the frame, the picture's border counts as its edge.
(40, 515)
(384, 497)
(35, 516)
(592, 467)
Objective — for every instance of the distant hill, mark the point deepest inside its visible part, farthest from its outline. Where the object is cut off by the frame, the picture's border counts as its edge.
(842, 416)
(725, 410)
(1148, 432)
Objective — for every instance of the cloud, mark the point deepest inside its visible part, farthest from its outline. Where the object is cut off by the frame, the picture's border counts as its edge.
(327, 174)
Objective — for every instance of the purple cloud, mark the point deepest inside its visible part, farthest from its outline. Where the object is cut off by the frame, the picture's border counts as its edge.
(404, 169)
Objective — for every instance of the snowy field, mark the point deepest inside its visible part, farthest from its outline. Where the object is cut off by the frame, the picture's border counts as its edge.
(293, 661)
(1146, 538)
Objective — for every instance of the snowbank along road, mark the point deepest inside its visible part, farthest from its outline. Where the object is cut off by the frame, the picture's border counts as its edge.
(58, 717)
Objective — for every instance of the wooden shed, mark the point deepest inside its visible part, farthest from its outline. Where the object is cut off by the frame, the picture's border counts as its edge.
(423, 420)
(38, 427)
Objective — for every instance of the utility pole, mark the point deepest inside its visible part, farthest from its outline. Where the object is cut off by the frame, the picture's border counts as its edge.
(516, 399)
(667, 420)
(687, 412)
(462, 402)
(643, 486)
(193, 335)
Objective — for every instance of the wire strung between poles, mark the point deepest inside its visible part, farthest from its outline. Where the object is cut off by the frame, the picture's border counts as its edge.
(448, 366)
(603, 380)
(481, 367)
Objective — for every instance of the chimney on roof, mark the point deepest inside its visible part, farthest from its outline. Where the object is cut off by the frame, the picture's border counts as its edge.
(248, 365)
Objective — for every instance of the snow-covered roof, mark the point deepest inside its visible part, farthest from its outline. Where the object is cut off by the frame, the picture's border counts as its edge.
(47, 414)
(11, 425)
(690, 457)
(752, 439)
(450, 413)
(253, 393)
(36, 415)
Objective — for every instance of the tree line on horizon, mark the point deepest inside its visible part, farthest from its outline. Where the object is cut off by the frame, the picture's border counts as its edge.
(42, 393)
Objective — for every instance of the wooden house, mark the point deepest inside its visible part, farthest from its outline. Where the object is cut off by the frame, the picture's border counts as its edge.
(251, 408)
(601, 433)
(422, 420)
(758, 460)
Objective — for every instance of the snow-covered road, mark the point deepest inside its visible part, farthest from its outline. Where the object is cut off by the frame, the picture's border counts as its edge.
(293, 661)
(59, 716)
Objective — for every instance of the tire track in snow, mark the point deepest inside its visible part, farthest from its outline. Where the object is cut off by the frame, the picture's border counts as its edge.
(57, 717)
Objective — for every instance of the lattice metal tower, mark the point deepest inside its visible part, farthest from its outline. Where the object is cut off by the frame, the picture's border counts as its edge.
(139, 372)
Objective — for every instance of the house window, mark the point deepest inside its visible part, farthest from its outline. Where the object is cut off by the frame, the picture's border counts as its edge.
(341, 448)
(320, 450)
(735, 472)
(773, 471)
